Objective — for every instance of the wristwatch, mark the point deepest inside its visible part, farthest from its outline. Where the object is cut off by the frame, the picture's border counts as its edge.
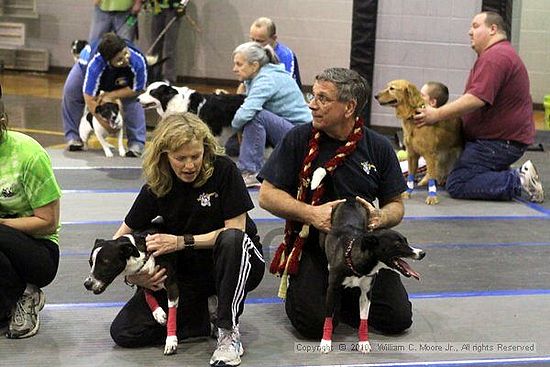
(188, 241)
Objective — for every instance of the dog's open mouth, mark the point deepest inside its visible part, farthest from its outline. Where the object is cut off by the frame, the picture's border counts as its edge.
(148, 106)
(404, 268)
(392, 103)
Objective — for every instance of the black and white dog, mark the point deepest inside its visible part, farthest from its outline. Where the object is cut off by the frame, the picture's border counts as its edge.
(217, 110)
(128, 255)
(110, 111)
(354, 257)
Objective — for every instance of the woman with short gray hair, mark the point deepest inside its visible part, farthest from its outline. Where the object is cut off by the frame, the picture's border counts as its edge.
(273, 105)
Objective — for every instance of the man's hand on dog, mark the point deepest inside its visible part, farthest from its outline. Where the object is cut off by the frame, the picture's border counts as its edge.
(321, 215)
(375, 214)
(153, 281)
(426, 116)
(161, 243)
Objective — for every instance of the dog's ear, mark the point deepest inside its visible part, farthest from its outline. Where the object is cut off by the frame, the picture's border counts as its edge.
(99, 108)
(98, 242)
(128, 250)
(369, 241)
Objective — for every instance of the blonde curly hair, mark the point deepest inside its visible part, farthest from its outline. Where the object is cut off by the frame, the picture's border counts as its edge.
(170, 135)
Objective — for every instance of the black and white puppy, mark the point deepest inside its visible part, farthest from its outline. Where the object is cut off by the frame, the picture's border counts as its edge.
(128, 255)
(354, 257)
(110, 111)
(216, 109)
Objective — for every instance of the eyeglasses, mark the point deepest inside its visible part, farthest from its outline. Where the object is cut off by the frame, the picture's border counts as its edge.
(322, 100)
(121, 59)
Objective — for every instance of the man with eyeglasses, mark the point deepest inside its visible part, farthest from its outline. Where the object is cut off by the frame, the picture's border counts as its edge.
(361, 164)
(114, 69)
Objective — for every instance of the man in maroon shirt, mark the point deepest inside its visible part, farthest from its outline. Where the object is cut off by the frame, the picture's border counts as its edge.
(497, 112)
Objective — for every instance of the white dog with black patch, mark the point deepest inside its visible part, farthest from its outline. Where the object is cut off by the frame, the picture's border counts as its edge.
(112, 113)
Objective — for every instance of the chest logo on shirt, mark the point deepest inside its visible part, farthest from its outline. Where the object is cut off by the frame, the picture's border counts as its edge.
(204, 198)
(368, 167)
(121, 82)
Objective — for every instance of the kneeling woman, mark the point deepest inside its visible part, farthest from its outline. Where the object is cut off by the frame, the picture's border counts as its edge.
(200, 194)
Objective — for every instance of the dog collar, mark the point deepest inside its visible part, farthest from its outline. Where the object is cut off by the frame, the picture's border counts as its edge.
(199, 107)
(347, 257)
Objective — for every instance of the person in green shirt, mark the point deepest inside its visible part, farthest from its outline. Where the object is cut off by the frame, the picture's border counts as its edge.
(118, 16)
(29, 230)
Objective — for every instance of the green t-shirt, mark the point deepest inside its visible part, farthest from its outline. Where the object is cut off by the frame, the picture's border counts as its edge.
(116, 5)
(27, 181)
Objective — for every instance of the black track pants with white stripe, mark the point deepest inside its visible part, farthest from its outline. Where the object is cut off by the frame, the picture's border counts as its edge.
(239, 267)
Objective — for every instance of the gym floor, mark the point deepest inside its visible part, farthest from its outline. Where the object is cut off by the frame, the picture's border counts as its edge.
(482, 300)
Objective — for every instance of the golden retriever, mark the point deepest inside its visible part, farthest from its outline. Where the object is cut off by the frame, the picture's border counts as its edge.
(440, 144)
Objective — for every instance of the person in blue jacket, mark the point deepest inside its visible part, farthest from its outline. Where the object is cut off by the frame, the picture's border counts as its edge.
(264, 31)
(273, 105)
(118, 70)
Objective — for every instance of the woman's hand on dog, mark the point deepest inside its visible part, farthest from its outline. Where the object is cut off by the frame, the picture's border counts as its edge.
(153, 281)
(375, 214)
(161, 243)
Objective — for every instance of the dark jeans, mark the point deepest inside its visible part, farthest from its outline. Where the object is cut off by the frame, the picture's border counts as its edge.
(24, 259)
(483, 171)
(238, 269)
(390, 309)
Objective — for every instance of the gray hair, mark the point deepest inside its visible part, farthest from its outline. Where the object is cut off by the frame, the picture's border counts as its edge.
(254, 52)
(349, 84)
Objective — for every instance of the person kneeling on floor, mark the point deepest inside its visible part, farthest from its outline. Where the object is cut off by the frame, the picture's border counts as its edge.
(119, 70)
(29, 230)
(200, 194)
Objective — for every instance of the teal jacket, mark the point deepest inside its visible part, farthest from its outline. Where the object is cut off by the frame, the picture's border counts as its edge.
(274, 90)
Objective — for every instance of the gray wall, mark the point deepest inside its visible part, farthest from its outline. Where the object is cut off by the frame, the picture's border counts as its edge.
(534, 45)
(419, 40)
(422, 40)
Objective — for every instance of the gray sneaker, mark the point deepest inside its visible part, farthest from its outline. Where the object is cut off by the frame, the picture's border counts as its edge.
(229, 349)
(75, 145)
(25, 321)
(134, 150)
(530, 182)
(250, 179)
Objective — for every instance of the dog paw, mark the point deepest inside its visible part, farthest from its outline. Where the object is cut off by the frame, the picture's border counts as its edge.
(325, 346)
(364, 347)
(160, 316)
(432, 200)
(122, 152)
(406, 195)
(109, 154)
(171, 346)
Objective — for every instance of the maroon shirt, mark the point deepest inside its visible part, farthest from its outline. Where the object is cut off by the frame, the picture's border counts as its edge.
(499, 78)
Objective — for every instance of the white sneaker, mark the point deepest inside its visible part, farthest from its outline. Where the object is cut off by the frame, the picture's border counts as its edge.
(229, 349)
(25, 321)
(250, 179)
(530, 182)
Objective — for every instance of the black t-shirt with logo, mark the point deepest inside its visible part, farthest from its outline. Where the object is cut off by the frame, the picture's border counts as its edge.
(372, 171)
(196, 210)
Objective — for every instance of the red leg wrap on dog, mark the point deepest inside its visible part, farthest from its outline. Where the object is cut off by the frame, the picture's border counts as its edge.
(151, 301)
(172, 321)
(327, 329)
(363, 330)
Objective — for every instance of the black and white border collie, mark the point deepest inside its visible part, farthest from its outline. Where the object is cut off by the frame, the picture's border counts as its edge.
(217, 110)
